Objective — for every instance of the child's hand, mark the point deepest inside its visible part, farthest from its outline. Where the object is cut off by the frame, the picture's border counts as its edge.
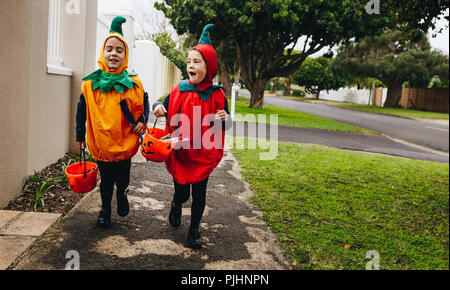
(160, 111)
(221, 115)
(140, 129)
(79, 144)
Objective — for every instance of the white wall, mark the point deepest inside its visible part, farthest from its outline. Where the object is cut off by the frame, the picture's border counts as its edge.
(350, 95)
(156, 72)
(102, 31)
(38, 108)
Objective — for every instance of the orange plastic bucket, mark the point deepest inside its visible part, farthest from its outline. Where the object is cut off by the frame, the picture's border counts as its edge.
(79, 182)
(154, 149)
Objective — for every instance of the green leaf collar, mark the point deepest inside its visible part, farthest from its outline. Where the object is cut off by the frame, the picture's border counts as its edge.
(185, 86)
(106, 81)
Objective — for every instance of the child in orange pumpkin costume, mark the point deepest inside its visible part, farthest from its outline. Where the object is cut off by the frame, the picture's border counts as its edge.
(111, 139)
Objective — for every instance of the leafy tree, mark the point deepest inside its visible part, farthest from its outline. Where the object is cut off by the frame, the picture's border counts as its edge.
(442, 72)
(316, 75)
(424, 77)
(178, 56)
(226, 60)
(167, 47)
(290, 76)
(390, 58)
(262, 30)
(417, 16)
(440, 83)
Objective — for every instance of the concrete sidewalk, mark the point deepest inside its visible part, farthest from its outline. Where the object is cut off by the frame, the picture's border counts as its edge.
(234, 235)
(18, 230)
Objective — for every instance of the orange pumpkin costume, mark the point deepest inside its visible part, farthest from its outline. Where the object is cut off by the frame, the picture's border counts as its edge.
(109, 136)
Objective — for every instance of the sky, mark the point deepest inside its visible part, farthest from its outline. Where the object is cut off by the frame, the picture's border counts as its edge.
(441, 42)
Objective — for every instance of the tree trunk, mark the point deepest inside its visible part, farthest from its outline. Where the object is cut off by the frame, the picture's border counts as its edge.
(257, 94)
(225, 78)
(318, 93)
(237, 76)
(237, 72)
(255, 84)
(372, 92)
(287, 89)
(394, 94)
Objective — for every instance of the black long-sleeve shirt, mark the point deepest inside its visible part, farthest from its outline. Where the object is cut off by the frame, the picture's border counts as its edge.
(81, 116)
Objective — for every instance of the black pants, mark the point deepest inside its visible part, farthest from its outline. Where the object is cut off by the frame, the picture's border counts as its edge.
(111, 173)
(182, 193)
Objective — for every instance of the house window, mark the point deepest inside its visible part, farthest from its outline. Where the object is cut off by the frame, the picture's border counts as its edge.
(54, 59)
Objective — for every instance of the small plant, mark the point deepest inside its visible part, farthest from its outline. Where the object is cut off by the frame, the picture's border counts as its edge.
(76, 157)
(30, 180)
(42, 189)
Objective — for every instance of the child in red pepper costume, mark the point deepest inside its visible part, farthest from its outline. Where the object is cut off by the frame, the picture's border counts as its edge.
(111, 139)
(195, 98)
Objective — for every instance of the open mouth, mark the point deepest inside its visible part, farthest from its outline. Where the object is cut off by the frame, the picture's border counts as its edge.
(192, 74)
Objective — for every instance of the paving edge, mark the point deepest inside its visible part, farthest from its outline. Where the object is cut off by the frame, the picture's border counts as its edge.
(19, 257)
(246, 195)
(60, 219)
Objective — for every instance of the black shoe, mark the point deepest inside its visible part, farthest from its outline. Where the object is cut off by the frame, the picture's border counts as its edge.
(104, 219)
(123, 207)
(194, 239)
(175, 215)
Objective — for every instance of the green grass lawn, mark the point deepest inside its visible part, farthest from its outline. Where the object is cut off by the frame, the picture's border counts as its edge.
(328, 207)
(407, 113)
(293, 118)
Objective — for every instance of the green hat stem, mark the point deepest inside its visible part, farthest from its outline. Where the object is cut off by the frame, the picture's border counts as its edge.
(204, 39)
(116, 25)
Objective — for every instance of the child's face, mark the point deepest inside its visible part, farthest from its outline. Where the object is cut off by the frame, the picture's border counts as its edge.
(114, 53)
(196, 67)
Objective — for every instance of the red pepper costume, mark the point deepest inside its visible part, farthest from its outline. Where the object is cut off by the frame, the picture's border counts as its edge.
(190, 166)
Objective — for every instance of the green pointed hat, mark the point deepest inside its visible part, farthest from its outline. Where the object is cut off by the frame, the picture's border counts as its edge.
(116, 25)
(209, 53)
(204, 39)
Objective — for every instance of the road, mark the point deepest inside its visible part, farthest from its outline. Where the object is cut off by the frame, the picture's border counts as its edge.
(431, 135)
(342, 140)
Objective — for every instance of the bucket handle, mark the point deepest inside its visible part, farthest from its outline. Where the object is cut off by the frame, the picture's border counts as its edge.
(154, 125)
(83, 153)
(156, 121)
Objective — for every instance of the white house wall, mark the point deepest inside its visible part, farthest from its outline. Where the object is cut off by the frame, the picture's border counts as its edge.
(157, 73)
(38, 107)
(350, 95)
